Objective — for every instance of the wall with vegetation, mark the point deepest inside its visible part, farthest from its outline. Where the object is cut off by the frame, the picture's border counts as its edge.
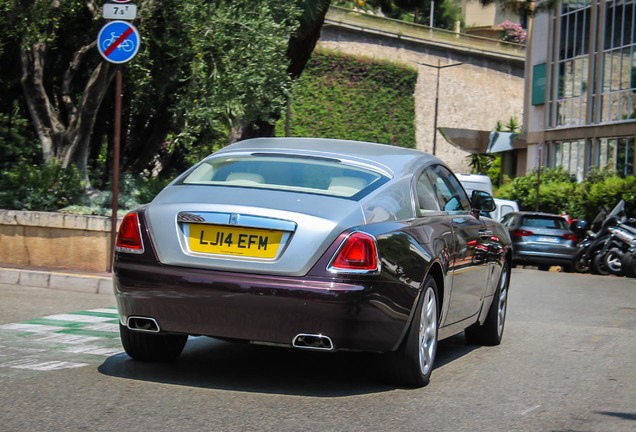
(340, 96)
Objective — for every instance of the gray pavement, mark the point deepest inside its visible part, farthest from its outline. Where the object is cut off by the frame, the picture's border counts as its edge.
(58, 280)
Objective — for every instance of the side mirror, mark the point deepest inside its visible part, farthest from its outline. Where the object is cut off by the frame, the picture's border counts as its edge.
(482, 201)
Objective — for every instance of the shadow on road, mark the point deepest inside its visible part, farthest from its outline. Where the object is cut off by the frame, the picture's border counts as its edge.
(214, 364)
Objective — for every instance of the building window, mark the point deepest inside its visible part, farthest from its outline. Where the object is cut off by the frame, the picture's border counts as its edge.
(569, 107)
(614, 91)
(616, 154)
(571, 156)
(619, 62)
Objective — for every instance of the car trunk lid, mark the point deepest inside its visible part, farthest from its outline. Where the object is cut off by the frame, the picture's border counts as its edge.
(247, 230)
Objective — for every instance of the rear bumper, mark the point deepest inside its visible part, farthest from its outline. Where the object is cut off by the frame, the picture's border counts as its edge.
(543, 258)
(361, 315)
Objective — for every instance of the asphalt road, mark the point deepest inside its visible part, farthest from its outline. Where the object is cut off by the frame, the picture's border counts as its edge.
(567, 363)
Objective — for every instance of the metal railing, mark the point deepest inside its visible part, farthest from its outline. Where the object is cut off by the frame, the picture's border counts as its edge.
(421, 33)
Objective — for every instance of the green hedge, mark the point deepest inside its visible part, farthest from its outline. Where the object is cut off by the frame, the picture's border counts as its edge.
(47, 187)
(559, 192)
(340, 96)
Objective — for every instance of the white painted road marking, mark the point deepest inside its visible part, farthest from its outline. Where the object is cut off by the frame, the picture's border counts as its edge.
(36, 365)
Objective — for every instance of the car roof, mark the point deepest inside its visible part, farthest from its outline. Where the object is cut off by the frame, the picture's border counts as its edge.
(391, 160)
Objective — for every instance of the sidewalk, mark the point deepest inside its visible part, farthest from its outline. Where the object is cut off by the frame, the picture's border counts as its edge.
(57, 279)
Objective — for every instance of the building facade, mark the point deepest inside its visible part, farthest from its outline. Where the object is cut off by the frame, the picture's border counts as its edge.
(579, 109)
(484, 85)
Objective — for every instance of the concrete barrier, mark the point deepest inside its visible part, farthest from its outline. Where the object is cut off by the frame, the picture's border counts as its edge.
(55, 241)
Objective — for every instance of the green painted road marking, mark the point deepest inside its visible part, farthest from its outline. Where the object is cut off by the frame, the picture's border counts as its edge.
(61, 341)
(103, 313)
(86, 332)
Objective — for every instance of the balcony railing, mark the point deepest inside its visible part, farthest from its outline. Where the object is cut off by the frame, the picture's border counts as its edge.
(425, 34)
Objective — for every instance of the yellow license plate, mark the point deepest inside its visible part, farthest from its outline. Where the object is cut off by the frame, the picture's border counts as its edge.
(241, 241)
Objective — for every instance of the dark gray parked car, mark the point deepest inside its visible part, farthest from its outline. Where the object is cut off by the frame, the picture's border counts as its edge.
(540, 239)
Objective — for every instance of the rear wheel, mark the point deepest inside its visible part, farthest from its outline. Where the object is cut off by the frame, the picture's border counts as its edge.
(613, 261)
(412, 364)
(629, 265)
(598, 266)
(491, 331)
(151, 347)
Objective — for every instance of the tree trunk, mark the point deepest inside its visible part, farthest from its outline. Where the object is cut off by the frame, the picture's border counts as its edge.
(64, 128)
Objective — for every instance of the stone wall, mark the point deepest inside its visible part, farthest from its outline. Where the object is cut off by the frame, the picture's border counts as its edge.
(55, 240)
(484, 89)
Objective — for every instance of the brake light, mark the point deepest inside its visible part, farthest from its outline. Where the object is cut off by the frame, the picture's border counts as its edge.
(129, 235)
(569, 236)
(358, 253)
(521, 233)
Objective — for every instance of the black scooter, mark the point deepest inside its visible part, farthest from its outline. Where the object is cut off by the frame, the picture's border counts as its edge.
(587, 258)
(618, 247)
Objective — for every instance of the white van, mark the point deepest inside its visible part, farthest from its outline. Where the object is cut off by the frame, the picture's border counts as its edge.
(503, 207)
(473, 182)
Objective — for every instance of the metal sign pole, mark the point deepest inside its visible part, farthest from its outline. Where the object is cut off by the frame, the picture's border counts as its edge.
(438, 67)
(115, 181)
(117, 42)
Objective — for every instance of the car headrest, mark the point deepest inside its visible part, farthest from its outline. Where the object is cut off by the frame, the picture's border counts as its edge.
(244, 178)
(347, 185)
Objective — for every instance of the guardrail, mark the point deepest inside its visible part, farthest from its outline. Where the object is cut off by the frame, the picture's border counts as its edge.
(420, 33)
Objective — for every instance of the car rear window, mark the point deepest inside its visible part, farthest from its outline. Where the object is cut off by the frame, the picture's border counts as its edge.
(282, 172)
(544, 222)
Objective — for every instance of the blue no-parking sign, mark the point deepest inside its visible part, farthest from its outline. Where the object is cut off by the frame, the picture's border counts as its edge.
(118, 41)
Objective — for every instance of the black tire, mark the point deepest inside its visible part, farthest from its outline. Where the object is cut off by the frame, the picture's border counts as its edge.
(412, 364)
(491, 331)
(543, 267)
(613, 262)
(151, 347)
(581, 262)
(629, 265)
(597, 266)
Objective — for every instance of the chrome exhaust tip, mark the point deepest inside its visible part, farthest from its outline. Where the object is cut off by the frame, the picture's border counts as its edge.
(313, 342)
(142, 324)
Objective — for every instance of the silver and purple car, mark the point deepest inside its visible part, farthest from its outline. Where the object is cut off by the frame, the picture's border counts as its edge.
(316, 244)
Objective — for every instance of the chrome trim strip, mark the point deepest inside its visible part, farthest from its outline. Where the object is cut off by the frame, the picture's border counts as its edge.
(245, 220)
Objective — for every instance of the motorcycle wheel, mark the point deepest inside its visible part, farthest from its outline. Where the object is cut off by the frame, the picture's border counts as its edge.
(629, 265)
(597, 266)
(613, 262)
(581, 262)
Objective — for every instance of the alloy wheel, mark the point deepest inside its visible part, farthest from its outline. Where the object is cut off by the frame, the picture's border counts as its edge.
(428, 331)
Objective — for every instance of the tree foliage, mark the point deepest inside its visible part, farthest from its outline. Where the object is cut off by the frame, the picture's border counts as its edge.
(205, 68)
(445, 12)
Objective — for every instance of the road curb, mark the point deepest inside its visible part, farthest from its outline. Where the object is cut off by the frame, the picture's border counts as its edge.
(85, 283)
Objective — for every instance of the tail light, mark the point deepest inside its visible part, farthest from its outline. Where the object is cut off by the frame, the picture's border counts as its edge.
(521, 233)
(129, 235)
(569, 236)
(358, 253)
